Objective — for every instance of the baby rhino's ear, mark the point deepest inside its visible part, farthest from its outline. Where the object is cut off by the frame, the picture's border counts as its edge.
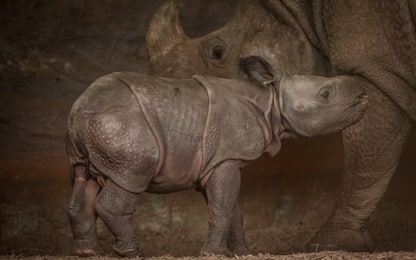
(259, 70)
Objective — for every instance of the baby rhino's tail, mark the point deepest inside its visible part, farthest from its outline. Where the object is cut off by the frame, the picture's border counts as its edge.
(77, 159)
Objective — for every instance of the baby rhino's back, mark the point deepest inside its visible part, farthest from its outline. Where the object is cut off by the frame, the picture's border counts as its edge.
(136, 129)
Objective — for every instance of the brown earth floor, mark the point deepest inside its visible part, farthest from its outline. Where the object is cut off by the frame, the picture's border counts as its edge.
(283, 205)
(338, 255)
(51, 50)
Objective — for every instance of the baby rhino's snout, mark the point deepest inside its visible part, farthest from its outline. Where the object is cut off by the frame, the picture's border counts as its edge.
(363, 99)
(355, 88)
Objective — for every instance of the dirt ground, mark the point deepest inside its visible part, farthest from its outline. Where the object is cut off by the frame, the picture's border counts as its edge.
(51, 50)
(300, 256)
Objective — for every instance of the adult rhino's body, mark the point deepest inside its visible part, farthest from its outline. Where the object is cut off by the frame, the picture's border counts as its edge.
(374, 39)
(129, 133)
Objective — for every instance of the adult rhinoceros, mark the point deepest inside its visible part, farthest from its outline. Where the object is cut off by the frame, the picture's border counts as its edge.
(374, 39)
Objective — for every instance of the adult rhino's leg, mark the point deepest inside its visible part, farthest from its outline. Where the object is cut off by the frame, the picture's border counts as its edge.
(81, 212)
(372, 151)
(116, 206)
(222, 192)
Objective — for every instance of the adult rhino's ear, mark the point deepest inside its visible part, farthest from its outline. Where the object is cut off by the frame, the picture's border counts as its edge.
(259, 70)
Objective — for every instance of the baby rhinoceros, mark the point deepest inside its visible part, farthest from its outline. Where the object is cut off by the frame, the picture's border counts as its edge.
(129, 133)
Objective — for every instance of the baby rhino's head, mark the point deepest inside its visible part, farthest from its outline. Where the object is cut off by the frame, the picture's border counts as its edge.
(312, 105)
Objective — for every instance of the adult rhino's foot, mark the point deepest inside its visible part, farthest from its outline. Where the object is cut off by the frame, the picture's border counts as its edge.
(86, 247)
(238, 248)
(128, 249)
(212, 249)
(330, 239)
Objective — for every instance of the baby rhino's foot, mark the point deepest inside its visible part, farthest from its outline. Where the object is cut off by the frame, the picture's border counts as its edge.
(84, 248)
(128, 249)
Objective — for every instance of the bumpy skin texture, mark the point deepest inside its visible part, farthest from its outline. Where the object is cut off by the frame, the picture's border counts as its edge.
(159, 131)
(129, 133)
(373, 39)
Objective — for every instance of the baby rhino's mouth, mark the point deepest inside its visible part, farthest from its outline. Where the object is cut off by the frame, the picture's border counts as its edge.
(361, 100)
(364, 99)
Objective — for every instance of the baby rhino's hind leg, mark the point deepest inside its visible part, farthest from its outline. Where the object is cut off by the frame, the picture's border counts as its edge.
(81, 211)
(116, 206)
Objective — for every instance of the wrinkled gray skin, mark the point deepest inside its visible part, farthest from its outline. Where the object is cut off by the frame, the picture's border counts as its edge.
(373, 39)
(129, 133)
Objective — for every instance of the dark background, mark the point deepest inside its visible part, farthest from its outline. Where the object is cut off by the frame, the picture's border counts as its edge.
(51, 50)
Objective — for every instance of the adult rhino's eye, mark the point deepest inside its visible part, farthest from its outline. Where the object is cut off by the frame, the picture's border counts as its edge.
(217, 52)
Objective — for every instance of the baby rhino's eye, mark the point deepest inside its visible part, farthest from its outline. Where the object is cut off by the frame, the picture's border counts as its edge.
(325, 94)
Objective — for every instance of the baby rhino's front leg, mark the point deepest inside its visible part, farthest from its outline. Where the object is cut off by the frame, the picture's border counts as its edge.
(222, 191)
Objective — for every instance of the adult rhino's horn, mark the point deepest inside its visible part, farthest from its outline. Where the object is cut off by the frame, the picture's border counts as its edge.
(164, 30)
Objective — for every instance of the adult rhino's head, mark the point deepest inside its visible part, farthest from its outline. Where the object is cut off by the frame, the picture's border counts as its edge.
(174, 54)
(253, 30)
(311, 105)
